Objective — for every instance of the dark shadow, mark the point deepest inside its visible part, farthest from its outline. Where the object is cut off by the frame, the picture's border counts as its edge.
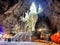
(6, 4)
(46, 20)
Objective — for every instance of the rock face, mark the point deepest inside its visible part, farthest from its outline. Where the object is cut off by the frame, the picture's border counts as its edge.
(56, 14)
(6, 4)
(53, 12)
(13, 13)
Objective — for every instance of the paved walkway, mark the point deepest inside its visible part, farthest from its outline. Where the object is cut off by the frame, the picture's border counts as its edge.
(19, 43)
(25, 43)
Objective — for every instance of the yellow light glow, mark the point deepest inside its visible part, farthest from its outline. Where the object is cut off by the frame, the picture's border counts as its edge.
(7, 36)
(40, 30)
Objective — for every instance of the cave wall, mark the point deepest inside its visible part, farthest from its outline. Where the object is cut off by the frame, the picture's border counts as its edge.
(53, 12)
(10, 19)
(11, 16)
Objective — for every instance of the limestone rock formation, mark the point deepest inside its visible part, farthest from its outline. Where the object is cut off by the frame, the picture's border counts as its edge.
(13, 12)
(10, 14)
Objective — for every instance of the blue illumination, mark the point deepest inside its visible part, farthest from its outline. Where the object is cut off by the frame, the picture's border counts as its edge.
(43, 3)
(36, 8)
(1, 29)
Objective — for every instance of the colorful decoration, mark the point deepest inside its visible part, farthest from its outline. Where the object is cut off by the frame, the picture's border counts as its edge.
(56, 37)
